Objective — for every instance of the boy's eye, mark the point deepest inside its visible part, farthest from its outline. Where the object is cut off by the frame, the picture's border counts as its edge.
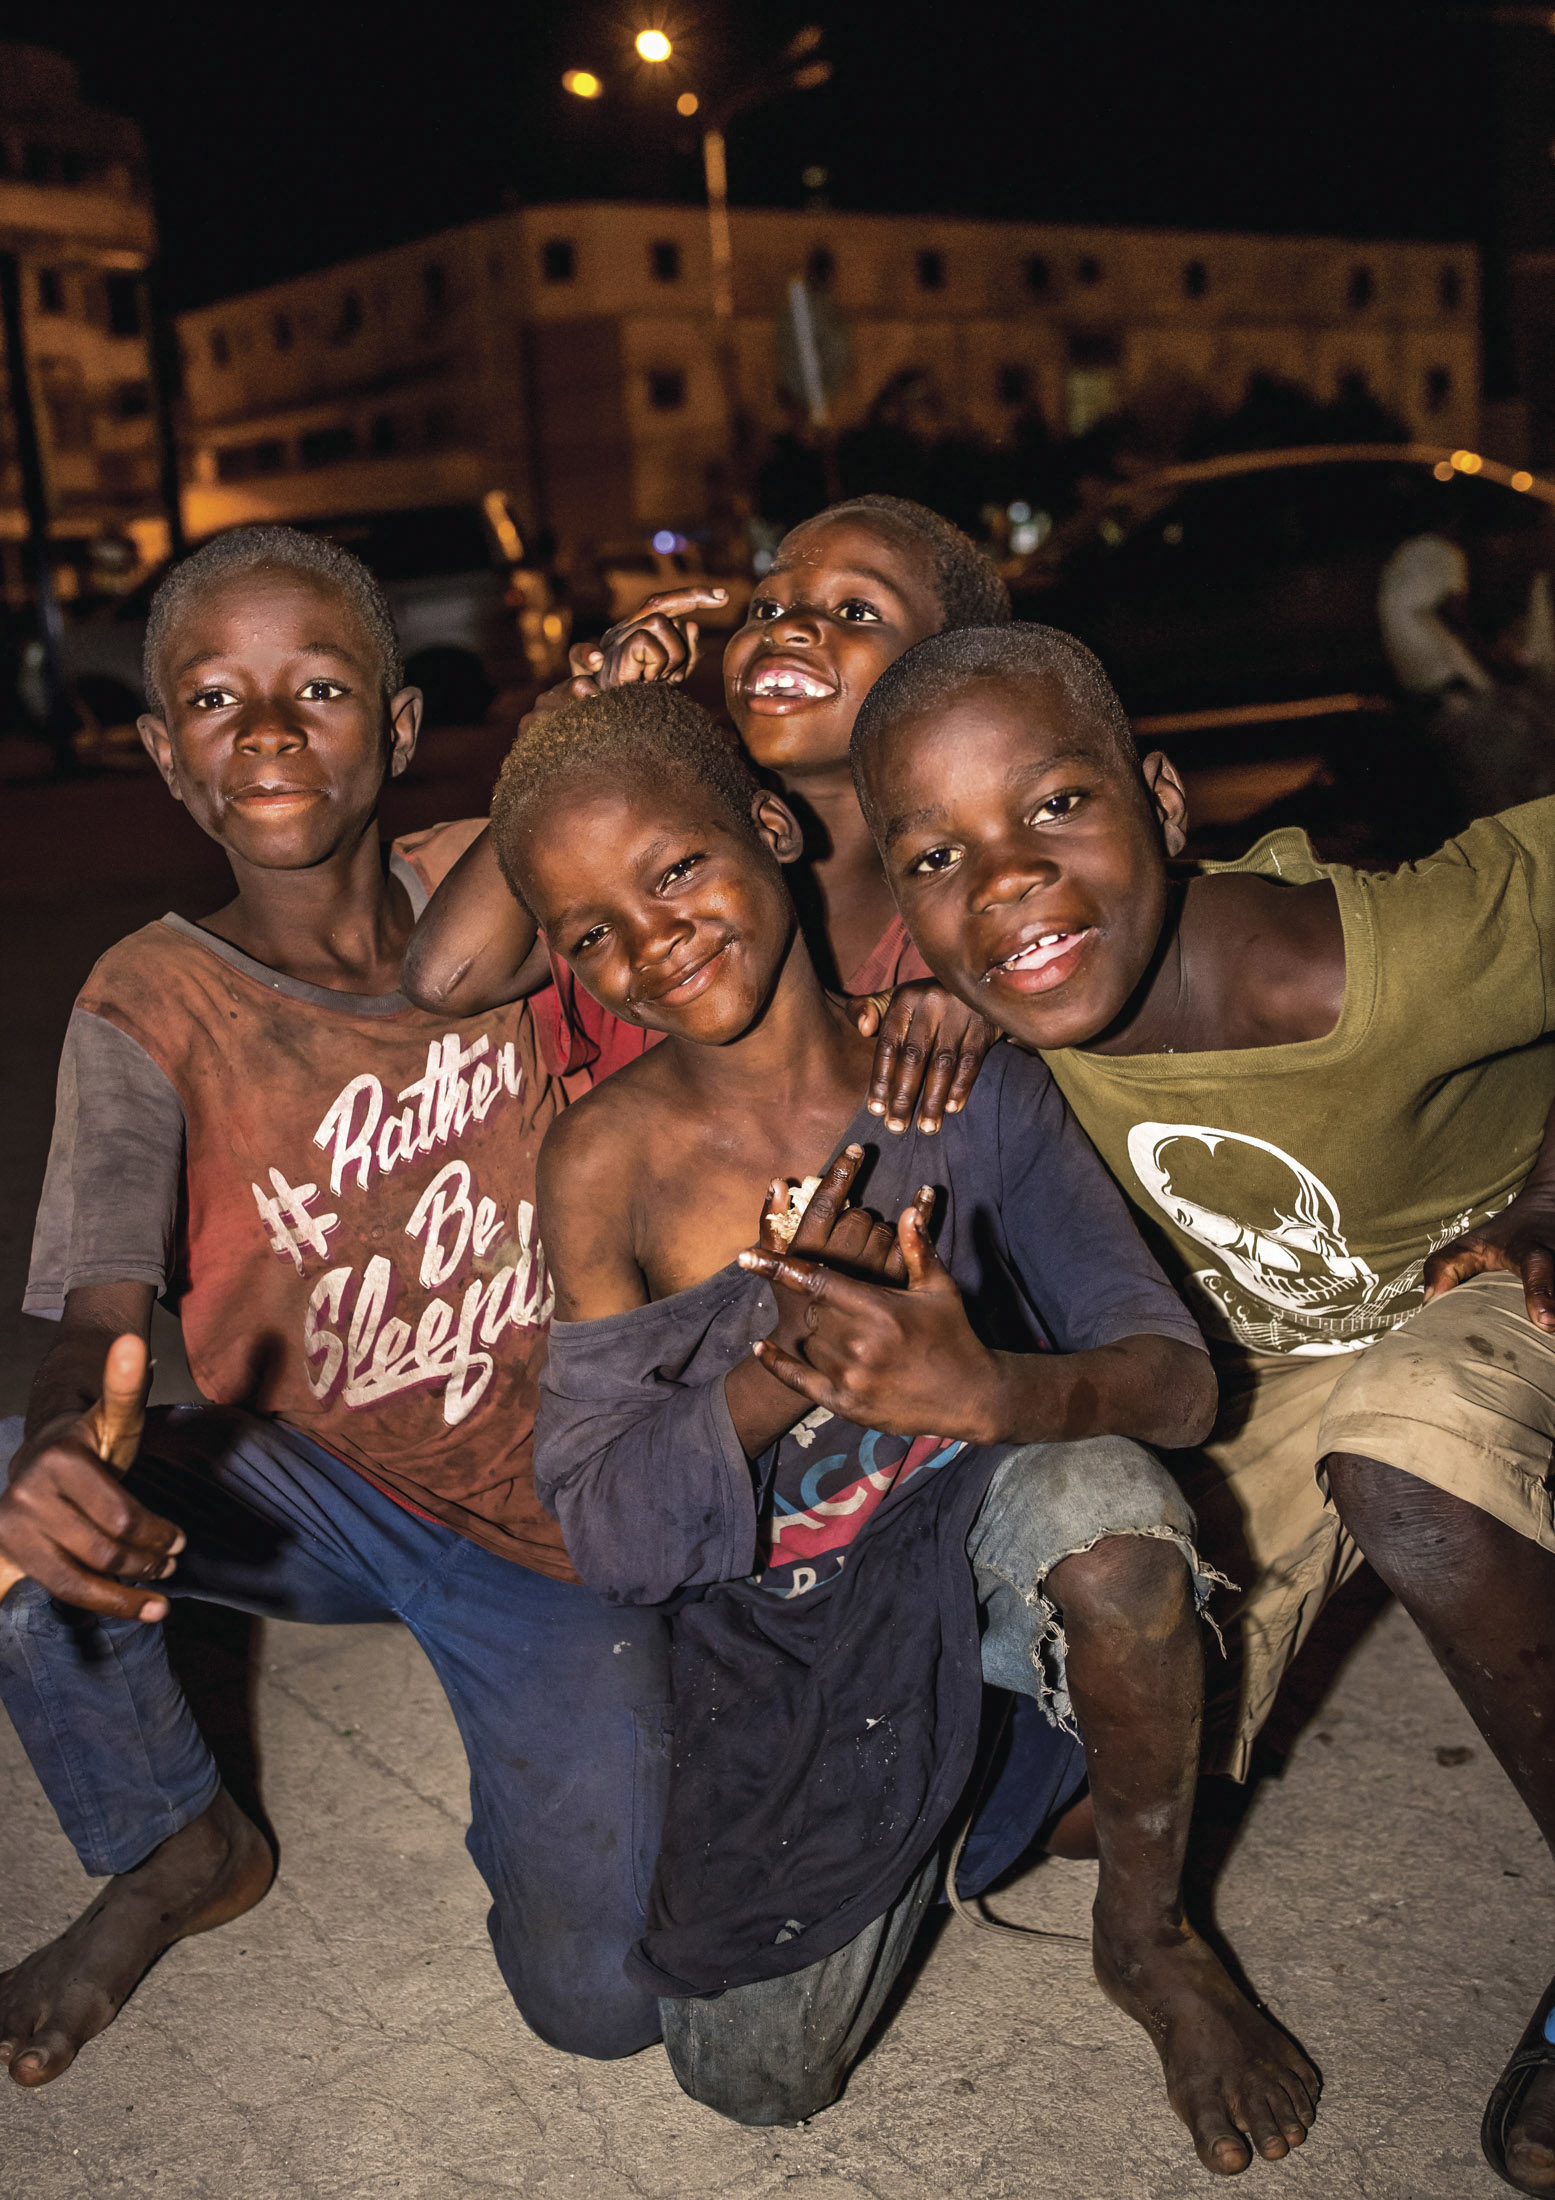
(212, 697)
(934, 860)
(762, 607)
(321, 691)
(1055, 807)
(590, 939)
(859, 611)
(679, 871)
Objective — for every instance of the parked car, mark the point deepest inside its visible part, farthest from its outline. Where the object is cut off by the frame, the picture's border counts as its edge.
(1234, 602)
(452, 575)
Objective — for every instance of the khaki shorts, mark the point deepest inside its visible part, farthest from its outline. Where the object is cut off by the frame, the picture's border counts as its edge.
(1462, 1396)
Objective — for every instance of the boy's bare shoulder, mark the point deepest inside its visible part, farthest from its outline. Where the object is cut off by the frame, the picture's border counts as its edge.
(605, 1138)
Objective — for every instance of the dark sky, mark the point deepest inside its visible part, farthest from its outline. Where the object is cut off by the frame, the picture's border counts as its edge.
(285, 136)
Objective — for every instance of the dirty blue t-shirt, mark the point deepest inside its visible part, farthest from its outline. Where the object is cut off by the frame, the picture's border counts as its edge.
(827, 1672)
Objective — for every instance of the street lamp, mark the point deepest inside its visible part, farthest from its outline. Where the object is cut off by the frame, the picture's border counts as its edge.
(800, 67)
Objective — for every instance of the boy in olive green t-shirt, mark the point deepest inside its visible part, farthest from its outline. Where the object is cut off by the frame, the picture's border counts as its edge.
(1326, 1094)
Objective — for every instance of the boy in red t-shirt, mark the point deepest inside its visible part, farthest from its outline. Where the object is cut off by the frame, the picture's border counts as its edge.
(848, 591)
(336, 1191)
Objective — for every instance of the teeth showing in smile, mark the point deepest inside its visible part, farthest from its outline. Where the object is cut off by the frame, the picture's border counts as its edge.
(785, 681)
(1038, 953)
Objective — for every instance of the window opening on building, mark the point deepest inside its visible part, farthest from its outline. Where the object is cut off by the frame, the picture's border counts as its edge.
(325, 446)
(820, 268)
(132, 400)
(558, 261)
(1039, 275)
(1449, 289)
(1362, 288)
(37, 163)
(664, 260)
(1013, 384)
(123, 293)
(281, 331)
(931, 270)
(1195, 279)
(51, 290)
(1089, 270)
(666, 389)
(384, 435)
(241, 461)
(220, 348)
(1438, 389)
(349, 320)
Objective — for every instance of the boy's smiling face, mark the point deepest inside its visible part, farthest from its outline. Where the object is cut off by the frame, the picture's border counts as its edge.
(1027, 856)
(275, 735)
(671, 914)
(843, 602)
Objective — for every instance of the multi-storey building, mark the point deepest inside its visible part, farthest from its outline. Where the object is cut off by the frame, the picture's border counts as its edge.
(566, 354)
(75, 209)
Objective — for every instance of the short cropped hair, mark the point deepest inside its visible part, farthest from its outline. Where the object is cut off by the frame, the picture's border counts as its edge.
(966, 580)
(931, 674)
(646, 732)
(243, 550)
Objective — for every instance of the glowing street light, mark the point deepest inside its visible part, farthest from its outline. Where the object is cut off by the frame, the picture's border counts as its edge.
(582, 83)
(687, 104)
(653, 46)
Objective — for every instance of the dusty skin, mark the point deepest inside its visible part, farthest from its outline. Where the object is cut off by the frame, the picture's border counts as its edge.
(63, 1995)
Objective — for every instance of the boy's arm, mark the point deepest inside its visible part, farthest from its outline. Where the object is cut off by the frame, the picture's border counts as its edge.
(475, 945)
(65, 1521)
(1519, 1240)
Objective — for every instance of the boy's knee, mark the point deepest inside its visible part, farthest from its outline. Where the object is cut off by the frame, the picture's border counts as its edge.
(1133, 1584)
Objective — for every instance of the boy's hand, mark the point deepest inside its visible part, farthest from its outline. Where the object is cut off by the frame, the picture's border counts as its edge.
(928, 1053)
(65, 1521)
(1520, 1240)
(847, 1239)
(906, 1361)
(657, 643)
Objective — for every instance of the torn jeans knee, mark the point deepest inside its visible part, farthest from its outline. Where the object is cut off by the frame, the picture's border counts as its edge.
(1046, 1503)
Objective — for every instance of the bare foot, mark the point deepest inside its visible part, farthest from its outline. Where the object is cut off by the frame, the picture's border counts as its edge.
(1530, 2144)
(65, 1994)
(1229, 2070)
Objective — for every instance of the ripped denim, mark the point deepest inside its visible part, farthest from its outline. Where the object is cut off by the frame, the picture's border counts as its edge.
(1047, 1502)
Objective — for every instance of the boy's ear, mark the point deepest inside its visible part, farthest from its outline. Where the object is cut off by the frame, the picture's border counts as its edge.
(1168, 798)
(154, 738)
(404, 728)
(778, 826)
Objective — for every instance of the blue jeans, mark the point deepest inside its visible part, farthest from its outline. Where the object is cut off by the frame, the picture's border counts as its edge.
(562, 1703)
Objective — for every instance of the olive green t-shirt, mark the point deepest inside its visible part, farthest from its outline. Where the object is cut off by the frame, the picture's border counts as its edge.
(1294, 1192)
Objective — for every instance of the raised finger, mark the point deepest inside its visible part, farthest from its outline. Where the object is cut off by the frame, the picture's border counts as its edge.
(675, 603)
(827, 1201)
(585, 658)
(895, 1269)
(913, 1058)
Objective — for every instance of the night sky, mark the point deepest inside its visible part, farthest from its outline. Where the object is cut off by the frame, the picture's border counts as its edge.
(286, 136)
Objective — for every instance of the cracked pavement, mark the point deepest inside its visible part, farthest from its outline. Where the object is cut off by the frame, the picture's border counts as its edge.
(351, 2039)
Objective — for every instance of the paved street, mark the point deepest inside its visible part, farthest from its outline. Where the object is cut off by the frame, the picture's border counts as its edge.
(351, 2038)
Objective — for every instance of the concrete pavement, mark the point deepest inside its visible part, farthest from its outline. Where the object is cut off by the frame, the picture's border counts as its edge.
(351, 2038)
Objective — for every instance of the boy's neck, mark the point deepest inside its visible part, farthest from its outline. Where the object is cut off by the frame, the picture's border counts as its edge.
(1240, 963)
(849, 904)
(342, 924)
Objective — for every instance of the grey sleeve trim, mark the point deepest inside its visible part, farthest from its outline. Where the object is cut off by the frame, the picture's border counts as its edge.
(410, 878)
(109, 1210)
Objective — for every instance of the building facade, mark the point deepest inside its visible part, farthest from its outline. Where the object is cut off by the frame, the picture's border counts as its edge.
(75, 209)
(565, 354)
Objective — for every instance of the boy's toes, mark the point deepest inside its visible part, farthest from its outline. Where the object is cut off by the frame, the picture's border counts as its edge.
(1217, 2142)
(37, 2059)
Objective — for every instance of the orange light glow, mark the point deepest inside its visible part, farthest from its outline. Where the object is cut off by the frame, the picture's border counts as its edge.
(1442, 470)
(653, 46)
(1467, 462)
(1521, 481)
(687, 104)
(582, 84)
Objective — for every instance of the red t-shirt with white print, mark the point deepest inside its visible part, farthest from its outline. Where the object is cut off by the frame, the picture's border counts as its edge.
(355, 1247)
